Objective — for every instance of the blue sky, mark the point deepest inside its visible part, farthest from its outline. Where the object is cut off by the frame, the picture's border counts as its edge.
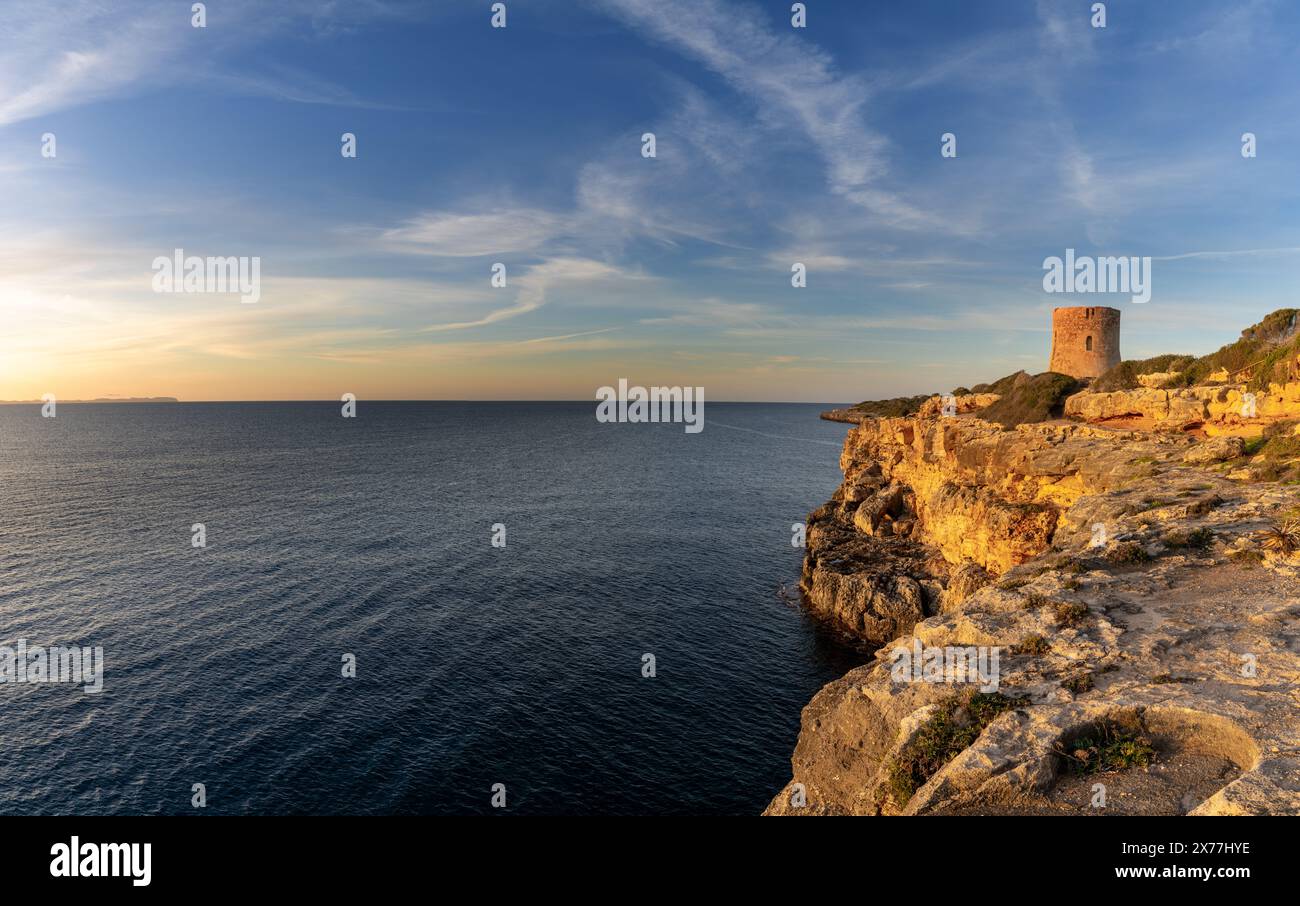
(522, 146)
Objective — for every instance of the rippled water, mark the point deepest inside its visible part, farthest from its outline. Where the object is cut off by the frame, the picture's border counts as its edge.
(476, 665)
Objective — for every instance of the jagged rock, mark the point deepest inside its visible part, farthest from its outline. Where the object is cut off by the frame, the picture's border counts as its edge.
(881, 504)
(1174, 409)
(1215, 407)
(876, 607)
(1028, 541)
(1216, 449)
(875, 587)
(966, 402)
(965, 580)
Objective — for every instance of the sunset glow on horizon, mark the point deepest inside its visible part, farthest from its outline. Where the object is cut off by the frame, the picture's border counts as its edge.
(775, 146)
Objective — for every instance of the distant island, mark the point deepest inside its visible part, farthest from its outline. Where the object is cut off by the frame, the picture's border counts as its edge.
(100, 399)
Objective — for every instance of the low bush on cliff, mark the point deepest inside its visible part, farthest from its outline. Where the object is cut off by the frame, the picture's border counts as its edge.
(1127, 553)
(1062, 564)
(1069, 613)
(1002, 385)
(1035, 399)
(892, 408)
(954, 726)
(1124, 376)
(1034, 645)
(1280, 441)
(1266, 353)
(1200, 538)
(1275, 454)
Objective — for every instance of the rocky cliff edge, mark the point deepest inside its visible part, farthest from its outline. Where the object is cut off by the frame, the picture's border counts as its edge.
(1142, 605)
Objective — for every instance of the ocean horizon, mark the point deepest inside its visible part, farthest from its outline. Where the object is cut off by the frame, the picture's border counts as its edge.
(372, 536)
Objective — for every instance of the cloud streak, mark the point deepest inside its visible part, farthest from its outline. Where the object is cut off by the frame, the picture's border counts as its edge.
(789, 79)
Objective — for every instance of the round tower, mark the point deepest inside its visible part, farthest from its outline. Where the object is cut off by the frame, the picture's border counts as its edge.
(1085, 340)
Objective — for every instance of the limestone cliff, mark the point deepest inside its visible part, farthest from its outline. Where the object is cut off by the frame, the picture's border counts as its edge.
(1217, 409)
(1120, 576)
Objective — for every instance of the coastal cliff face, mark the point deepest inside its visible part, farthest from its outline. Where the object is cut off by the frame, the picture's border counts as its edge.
(932, 507)
(1119, 578)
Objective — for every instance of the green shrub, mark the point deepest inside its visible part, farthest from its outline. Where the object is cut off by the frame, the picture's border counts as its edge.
(892, 408)
(954, 726)
(1035, 399)
(1034, 645)
(1124, 376)
(1127, 552)
(1196, 538)
(1265, 353)
(1069, 613)
(1107, 748)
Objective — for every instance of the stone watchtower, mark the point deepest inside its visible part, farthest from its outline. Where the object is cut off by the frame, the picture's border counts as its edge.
(1085, 340)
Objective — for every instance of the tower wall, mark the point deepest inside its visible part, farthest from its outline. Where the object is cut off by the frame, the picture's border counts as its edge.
(1074, 330)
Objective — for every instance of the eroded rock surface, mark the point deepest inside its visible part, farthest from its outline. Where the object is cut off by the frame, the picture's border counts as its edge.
(1119, 577)
(1226, 408)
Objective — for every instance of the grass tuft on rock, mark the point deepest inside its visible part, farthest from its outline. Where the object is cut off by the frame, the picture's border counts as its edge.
(1246, 557)
(1035, 600)
(954, 726)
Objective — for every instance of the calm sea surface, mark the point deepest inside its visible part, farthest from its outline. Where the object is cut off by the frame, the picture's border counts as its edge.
(372, 536)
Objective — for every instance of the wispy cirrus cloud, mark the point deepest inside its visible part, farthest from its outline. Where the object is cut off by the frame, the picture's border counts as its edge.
(535, 283)
(1231, 253)
(776, 145)
(86, 50)
(789, 79)
(469, 235)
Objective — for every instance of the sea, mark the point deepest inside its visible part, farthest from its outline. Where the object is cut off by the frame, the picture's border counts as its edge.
(350, 640)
